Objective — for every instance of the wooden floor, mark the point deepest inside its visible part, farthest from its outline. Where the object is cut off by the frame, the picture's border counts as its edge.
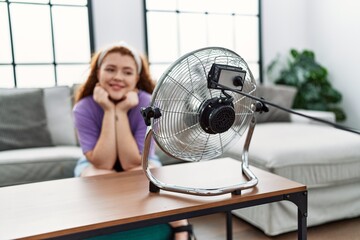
(213, 227)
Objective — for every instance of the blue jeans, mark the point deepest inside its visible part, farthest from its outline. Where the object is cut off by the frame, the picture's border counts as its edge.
(83, 163)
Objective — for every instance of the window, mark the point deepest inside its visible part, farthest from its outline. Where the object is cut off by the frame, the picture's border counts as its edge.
(44, 43)
(176, 27)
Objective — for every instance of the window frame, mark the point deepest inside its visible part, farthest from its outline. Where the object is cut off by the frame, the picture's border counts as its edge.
(53, 63)
(260, 50)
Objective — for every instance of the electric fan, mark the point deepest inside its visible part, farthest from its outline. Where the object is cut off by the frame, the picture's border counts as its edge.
(192, 117)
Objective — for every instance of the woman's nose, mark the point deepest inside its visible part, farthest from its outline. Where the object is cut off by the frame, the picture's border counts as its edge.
(119, 76)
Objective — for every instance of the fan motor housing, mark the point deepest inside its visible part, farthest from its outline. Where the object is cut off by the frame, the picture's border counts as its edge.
(217, 115)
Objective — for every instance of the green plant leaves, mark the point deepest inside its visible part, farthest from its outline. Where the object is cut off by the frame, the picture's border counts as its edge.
(311, 80)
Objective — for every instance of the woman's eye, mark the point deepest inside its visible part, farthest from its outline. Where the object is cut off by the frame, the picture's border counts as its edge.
(109, 69)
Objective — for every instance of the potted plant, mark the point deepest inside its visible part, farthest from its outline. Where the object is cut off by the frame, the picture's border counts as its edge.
(314, 91)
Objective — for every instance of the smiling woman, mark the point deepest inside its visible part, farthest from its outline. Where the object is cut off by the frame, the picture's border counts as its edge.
(107, 114)
(108, 120)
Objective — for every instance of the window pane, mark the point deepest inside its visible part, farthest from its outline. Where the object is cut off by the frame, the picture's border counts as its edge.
(161, 5)
(35, 76)
(245, 6)
(5, 45)
(221, 31)
(216, 6)
(231, 24)
(247, 37)
(191, 5)
(31, 46)
(70, 2)
(7, 77)
(30, 1)
(193, 32)
(71, 33)
(162, 37)
(157, 70)
(71, 74)
(222, 6)
(233, 6)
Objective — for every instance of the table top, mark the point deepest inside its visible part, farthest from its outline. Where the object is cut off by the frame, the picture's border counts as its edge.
(60, 207)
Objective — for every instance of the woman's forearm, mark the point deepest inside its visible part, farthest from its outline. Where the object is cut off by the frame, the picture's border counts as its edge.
(127, 149)
(103, 155)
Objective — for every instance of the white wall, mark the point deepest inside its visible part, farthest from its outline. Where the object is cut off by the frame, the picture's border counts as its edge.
(117, 20)
(284, 27)
(331, 28)
(335, 35)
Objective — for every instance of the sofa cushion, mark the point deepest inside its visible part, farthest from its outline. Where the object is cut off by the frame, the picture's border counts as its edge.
(37, 164)
(58, 106)
(23, 122)
(278, 94)
(315, 155)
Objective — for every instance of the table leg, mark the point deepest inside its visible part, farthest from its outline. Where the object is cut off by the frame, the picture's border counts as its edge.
(301, 201)
(229, 230)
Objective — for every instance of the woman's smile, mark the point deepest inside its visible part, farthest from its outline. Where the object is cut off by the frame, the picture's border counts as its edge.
(116, 86)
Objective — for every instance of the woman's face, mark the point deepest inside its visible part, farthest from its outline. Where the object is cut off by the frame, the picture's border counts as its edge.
(118, 75)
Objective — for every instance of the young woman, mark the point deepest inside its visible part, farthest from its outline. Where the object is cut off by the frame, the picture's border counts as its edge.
(107, 116)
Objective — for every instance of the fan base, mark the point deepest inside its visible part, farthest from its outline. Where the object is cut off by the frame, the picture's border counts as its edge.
(236, 192)
(153, 188)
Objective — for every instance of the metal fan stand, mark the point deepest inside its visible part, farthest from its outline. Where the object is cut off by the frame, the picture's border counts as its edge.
(156, 184)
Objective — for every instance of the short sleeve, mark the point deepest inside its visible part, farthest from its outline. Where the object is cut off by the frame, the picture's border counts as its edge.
(87, 124)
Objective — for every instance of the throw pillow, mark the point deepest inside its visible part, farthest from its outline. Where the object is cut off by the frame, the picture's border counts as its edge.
(278, 94)
(22, 119)
(58, 108)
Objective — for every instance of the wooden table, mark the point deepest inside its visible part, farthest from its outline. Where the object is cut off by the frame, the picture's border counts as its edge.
(81, 207)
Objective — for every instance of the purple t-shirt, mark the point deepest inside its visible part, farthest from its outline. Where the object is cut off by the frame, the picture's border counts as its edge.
(88, 116)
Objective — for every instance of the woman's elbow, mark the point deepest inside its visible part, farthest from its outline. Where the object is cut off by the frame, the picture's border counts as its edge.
(103, 165)
(99, 162)
(131, 164)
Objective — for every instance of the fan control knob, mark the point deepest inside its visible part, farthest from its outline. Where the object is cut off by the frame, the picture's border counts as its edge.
(216, 116)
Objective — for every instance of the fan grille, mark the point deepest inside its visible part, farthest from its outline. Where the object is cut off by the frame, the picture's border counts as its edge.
(179, 94)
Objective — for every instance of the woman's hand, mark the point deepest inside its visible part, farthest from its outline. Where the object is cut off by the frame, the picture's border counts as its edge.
(127, 148)
(130, 101)
(101, 96)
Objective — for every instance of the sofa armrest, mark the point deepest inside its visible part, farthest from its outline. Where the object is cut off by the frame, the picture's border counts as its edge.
(327, 116)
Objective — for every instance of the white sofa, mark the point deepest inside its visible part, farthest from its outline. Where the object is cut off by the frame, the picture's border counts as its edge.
(38, 140)
(322, 157)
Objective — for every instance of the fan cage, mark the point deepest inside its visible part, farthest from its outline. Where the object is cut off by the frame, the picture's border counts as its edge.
(179, 94)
